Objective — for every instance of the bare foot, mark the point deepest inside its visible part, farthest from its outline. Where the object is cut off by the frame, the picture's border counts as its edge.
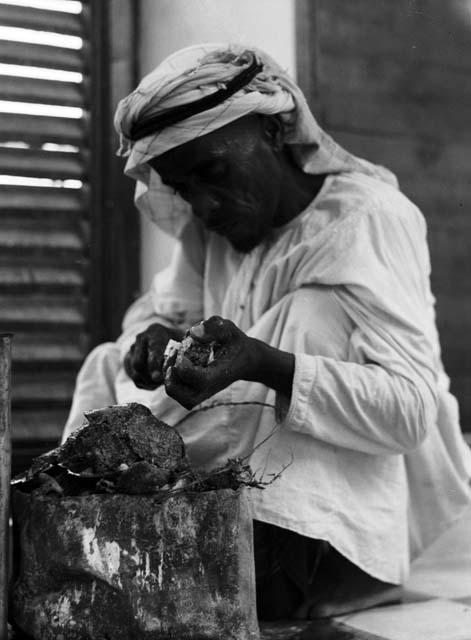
(340, 587)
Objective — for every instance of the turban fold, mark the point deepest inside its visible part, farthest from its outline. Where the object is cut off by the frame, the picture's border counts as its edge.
(200, 75)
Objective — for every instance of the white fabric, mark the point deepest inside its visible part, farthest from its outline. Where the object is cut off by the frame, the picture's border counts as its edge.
(194, 72)
(379, 465)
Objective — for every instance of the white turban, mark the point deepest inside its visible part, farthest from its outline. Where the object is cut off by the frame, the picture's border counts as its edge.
(192, 73)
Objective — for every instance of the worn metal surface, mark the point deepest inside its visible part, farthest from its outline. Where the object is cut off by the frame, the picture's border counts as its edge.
(5, 466)
(129, 567)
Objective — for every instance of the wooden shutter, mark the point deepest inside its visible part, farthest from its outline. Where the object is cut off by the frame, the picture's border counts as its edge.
(69, 243)
(390, 81)
(44, 225)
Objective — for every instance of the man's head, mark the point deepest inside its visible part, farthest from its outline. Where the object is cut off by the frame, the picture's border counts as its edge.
(231, 177)
(203, 89)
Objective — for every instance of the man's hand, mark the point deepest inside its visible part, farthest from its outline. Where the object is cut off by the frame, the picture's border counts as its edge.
(235, 358)
(144, 360)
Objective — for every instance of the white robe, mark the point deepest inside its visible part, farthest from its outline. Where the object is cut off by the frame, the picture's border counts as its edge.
(379, 467)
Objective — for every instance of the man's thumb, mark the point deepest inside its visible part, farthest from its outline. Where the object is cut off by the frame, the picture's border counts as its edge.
(214, 329)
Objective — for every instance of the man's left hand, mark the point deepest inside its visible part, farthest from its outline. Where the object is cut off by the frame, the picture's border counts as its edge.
(236, 358)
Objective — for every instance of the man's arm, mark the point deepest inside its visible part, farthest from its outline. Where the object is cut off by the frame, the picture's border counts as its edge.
(362, 407)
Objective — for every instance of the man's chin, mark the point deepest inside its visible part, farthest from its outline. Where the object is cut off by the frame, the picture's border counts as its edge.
(244, 245)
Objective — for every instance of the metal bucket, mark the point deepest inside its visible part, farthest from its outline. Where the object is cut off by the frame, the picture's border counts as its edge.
(5, 470)
(133, 567)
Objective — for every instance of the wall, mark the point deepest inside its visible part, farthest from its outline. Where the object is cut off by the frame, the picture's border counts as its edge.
(168, 25)
(390, 81)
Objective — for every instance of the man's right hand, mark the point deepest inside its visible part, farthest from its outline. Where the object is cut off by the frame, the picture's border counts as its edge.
(144, 360)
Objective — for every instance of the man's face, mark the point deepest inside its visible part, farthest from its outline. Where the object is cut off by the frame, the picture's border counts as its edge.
(231, 178)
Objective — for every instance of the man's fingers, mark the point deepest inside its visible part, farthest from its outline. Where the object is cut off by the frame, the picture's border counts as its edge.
(214, 328)
(136, 367)
(198, 332)
(179, 391)
(139, 355)
(190, 374)
(144, 381)
(154, 364)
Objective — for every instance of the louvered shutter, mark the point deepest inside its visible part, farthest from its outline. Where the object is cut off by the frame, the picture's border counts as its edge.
(44, 220)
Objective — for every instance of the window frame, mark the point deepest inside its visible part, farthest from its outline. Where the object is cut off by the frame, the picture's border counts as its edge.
(114, 234)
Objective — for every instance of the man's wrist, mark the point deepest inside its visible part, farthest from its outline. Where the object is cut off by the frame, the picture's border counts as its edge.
(270, 366)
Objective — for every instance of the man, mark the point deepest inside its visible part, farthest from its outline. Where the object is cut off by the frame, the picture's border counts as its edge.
(311, 269)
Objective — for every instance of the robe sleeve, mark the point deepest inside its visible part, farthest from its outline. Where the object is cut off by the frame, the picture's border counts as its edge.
(382, 398)
(363, 407)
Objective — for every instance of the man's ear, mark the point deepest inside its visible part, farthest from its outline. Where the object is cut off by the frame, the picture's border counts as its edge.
(273, 130)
